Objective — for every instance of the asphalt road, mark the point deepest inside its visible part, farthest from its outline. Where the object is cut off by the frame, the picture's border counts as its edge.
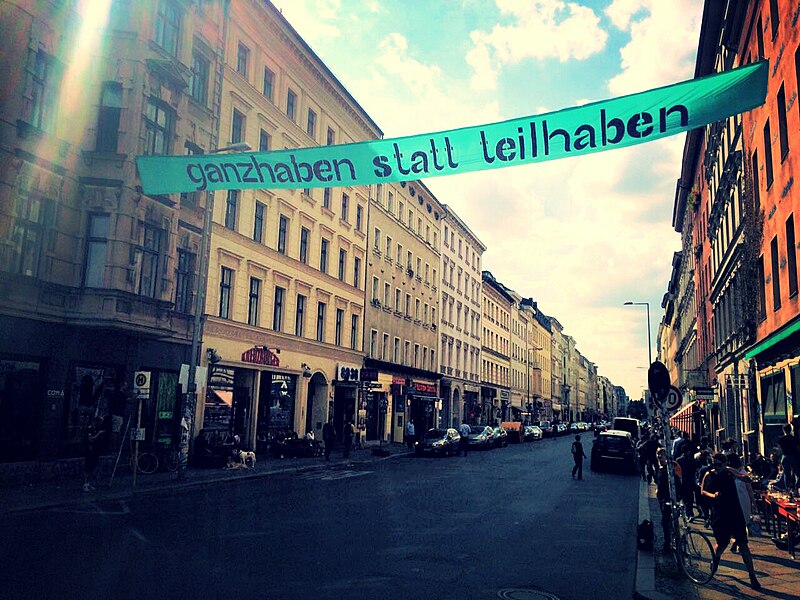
(483, 526)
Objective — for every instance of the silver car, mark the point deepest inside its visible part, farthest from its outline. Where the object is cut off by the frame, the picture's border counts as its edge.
(480, 436)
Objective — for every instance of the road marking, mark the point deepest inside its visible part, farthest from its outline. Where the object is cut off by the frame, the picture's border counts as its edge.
(94, 509)
(333, 475)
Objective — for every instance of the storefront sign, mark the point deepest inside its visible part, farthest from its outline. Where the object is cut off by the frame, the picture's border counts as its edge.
(573, 131)
(55, 393)
(348, 373)
(425, 389)
(261, 355)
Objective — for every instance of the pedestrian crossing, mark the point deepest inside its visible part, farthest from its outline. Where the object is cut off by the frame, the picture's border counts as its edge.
(326, 475)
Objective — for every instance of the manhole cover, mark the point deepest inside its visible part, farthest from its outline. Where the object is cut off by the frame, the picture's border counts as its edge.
(522, 594)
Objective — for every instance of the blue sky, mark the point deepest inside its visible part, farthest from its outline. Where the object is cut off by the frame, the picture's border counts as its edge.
(581, 236)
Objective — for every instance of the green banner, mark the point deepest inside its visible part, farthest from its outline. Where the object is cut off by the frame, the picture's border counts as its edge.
(614, 123)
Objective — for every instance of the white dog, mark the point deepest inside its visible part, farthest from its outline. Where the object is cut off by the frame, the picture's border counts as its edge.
(247, 458)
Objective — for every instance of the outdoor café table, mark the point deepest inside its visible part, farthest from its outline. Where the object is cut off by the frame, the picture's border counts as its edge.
(779, 510)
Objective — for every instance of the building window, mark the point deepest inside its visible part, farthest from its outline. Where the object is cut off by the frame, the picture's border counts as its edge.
(768, 154)
(225, 288)
(151, 260)
(388, 247)
(158, 120)
(373, 343)
(258, 223)
(198, 82)
(326, 198)
(304, 233)
(320, 321)
(237, 127)
(231, 205)
(791, 256)
(311, 124)
(108, 117)
(359, 217)
(283, 227)
(357, 273)
(242, 59)
(168, 26)
(96, 250)
(406, 351)
(345, 207)
(190, 198)
(342, 263)
(277, 309)
(43, 94)
(291, 104)
(255, 295)
(339, 321)
(783, 128)
(390, 202)
(387, 290)
(397, 300)
(376, 242)
(300, 316)
(776, 276)
(375, 289)
(797, 66)
(762, 301)
(408, 305)
(184, 278)
(354, 332)
(323, 255)
(396, 353)
(774, 17)
(756, 190)
(269, 85)
(385, 347)
(264, 141)
(330, 137)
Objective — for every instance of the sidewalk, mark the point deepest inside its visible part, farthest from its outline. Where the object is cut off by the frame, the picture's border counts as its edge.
(52, 494)
(657, 577)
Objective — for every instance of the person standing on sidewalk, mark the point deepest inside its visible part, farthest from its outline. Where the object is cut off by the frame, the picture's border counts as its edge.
(662, 495)
(728, 520)
(347, 439)
(92, 446)
(329, 437)
(410, 432)
(578, 456)
(790, 448)
(464, 432)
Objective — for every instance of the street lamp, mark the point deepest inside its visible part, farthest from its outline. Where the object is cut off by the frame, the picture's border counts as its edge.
(649, 345)
(190, 398)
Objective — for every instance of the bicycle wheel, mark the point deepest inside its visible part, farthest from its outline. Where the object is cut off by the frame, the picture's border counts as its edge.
(147, 463)
(696, 556)
(171, 458)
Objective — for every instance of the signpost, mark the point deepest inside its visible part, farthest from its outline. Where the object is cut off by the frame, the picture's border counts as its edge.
(141, 387)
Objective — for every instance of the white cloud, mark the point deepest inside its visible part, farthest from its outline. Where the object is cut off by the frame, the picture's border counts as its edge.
(663, 42)
(314, 20)
(539, 30)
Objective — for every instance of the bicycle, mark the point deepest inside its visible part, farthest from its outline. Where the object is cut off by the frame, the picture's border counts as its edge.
(148, 461)
(691, 548)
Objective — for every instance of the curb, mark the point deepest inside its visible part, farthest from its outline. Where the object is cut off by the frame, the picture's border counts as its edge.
(173, 485)
(644, 587)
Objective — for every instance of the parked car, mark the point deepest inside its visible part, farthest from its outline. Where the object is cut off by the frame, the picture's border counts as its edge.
(438, 441)
(614, 448)
(480, 436)
(561, 429)
(213, 447)
(532, 433)
(547, 428)
(500, 437)
(574, 427)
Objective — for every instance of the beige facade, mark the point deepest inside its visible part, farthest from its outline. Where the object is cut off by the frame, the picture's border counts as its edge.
(285, 299)
(97, 277)
(540, 344)
(460, 337)
(496, 348)
(402, 315)
(520, 380)
(558, 376)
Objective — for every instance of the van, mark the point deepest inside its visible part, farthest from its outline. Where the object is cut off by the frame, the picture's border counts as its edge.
(628, 424)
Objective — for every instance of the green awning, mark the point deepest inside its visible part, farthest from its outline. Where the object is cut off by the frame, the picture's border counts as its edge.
(773, 339)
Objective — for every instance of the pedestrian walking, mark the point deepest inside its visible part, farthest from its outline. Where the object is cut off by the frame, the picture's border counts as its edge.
(686, 488)
(410, 433)
(744, 490)
(650, 448)
(329, 438)
(728, 521)
(93, 438)
(347, 439)
(464, 432)
(578, 456)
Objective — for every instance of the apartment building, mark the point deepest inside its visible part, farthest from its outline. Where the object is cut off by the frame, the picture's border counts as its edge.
(285, 303)
(495, 349)
(402, 313)
(460, 337)
(97, 278)
(559, 387)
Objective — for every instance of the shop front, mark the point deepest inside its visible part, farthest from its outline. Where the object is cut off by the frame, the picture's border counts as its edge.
(346, 402)
(422, 401)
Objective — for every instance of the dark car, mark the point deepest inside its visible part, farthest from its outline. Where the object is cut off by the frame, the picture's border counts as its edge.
(500, 437)
(614, 449)
(438, 441)
(213, 447)
(480, 436)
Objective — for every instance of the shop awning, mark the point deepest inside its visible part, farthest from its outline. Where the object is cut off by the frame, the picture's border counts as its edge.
(773, 339)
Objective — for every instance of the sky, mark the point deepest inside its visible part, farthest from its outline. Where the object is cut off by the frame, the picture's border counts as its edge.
(582, 235)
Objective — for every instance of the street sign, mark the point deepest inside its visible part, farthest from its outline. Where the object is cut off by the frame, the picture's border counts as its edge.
(658, 381)
(673, 400)
(141, 381)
